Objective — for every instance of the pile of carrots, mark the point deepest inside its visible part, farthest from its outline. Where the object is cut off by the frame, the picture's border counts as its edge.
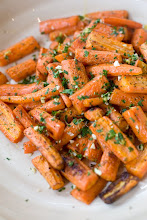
(82, 103)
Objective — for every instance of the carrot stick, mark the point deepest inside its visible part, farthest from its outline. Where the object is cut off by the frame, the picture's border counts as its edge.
(53, 45)
(44, 145)
(92, 102)
(94, 114)
(92, 57)
(138, 166)
(112, 70)
(101, 14)
(90, 90)
(39, 76)
(138, 122)
(78, 173)
(31, 105)
(65, 46)
(56, 24)
(76, 34)
(46, 92)
(121, 98)
(18, 50)
(22, 70)
(78, 43)
(89, 195)
(62, 56)
(29, 147)
(68, 114)
(9, 125)
(52, 176)
(138, 38)
(142, 65)
(122, 22)
(143, 50)
(112, 137)
(3, 79)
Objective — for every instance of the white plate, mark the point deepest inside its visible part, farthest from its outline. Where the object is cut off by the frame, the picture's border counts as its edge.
(18, 183)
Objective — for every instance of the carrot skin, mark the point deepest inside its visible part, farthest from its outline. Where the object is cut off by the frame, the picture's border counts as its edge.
(3, 79)
(143, 50)
(92, 102)
(138, 38)
(114, 13)
(94, 114)
(29, 147)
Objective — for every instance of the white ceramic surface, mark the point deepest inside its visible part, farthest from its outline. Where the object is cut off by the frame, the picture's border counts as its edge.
(23, 194)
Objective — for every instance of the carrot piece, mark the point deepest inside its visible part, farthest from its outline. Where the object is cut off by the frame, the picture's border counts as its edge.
(122, 69)
(101, 14)
(68, 114)
(92, 57)
(56, 24)
(75, 74)
(90, 90)
(138, 122)
(142, 65)
(128, 34)
(78, 43)
(23, 116)
(39, 76)
(22, 70)
(121, 98)
(138, 38)
(143, 50)
(51, 175)
(31, 105)
(54, 126)
(92, 102)
(76, 34)
(94, 114)
(18, 50)
(122, 22)
(138, 166)
(3, 79)
(133, 84)
(108, 166)
(29, 147)
(62, 56)
(70, 132)
(110, 135)
(54, 45)
(89, 195)
(84, 179)
(9, 125)
(46, 92)
(102, 43)
(65, 46)
(44, 145)
(19, 89)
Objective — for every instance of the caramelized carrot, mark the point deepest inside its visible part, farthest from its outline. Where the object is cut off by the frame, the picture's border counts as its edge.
(3, 79)
(114, 13)
(29, 147)
(92, 102)
(68, 114)
(78, 43)
(31, 105)
(138, 38)
(54, 45)
(143, 50)
(94, 114)
(62, 56)
(142, 65)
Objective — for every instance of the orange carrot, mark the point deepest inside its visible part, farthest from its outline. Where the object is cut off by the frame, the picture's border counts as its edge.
(138, 38)
(112, 137)
(29, 147)
(19, 50)
(138, 122)
(3, 79)
(142, 65)
(31, 105)
(22, 70)
(89, 195)
(101, 14)
(143, 50)
(65, 46)
(53, 45)
(68, 114)
(78, 173)
(128, 34)
(52, 176)
(92, 102)
(12, 106)
(54, 126)
(78, 43)
(94, 114)
(121, 98)
(76, 34)
(56, 24)
(9, 125)
(44, 145)
(62, 56)
(92, 57)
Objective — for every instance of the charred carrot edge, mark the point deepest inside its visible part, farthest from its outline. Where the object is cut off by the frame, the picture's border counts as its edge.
(22, 70)
(89, 195)
(114, 13)
(46, 92)
(3, 79)
(54, 126)
(44, 145)
(9, 125)
(92, 102)
(142, 65)
(138, 122)
(143, 50)
(53, 45)
(55, 24)
(68, 114)
(121, 98)
(18, 50)
(84, 179)
(23, 117)
(51, 175)
(94, 114)
(138, 38)
(138, 167)
(29, 147)
(112, 137)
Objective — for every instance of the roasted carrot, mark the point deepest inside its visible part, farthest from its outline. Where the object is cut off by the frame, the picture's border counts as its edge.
(22, 70)
(64, 46)
(142, 65)
(56, 24)
(101, 14)
(78, 173)
(138, 38)
(121, 98)
(138, 122)
(76, 34)
(122, 22)
(9, 125)
(89, 195)
(12, 106)
(53, 45)
(18, 50)
(52, 176)
(92, 57)
(68, 114)
(44, 145)
(94, 114)
(92, 102)
(62, 56)
(31, 105)
(78, 43)
(138, 166)
(110, 135)
(128, 34)
(29, 147)
(98, 85)
(3, 79)
(143, 50)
